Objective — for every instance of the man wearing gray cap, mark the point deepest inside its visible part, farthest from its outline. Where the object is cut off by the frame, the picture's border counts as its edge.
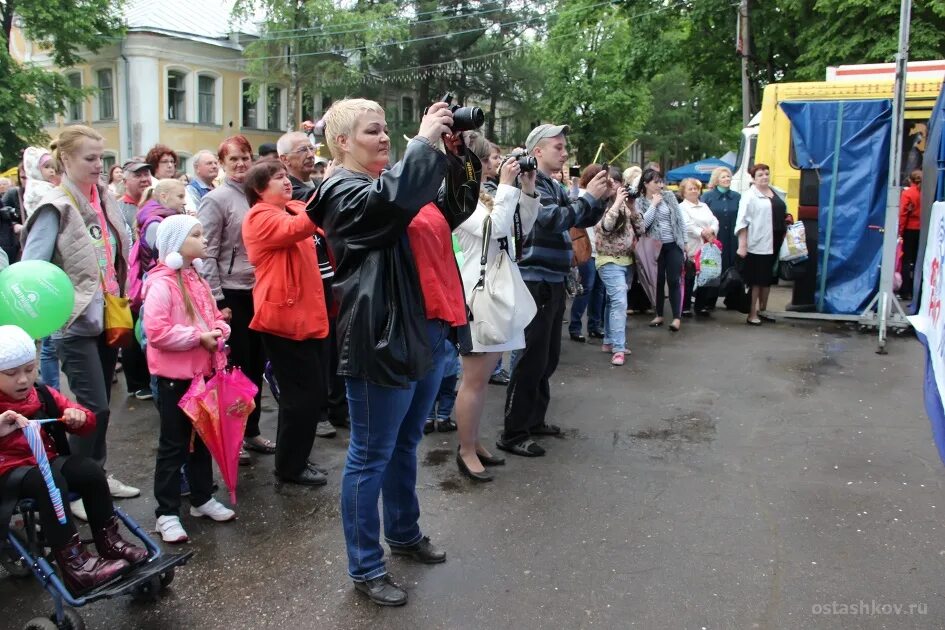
(137, 179)
(545, 263)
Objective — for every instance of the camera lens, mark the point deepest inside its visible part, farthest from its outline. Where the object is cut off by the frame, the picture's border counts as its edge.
(527, 163)
(467, 118)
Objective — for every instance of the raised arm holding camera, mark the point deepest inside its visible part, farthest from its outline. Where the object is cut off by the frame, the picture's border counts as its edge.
(544, 266)
(400, 297)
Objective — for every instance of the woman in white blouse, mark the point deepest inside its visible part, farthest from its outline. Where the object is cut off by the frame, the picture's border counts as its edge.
(702, 228)
(508, 202)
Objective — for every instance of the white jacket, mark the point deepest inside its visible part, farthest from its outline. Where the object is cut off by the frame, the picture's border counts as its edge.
(469, 234)
(754, 213)
(700, 218)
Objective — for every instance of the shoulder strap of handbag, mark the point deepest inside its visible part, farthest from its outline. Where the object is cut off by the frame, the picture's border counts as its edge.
(519, 236)
(483, 258)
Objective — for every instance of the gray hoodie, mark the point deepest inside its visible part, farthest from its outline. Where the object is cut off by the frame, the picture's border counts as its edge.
(221, 213)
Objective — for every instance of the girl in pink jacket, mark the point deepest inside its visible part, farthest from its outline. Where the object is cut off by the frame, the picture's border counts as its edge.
(185, 330)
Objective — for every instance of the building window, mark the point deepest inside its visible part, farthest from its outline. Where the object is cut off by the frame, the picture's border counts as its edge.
(406, 108)
(176, 96)
(108, 161)
(206, 100)
(106, 95)
(250, 107)
(74, 110)
(274, 108)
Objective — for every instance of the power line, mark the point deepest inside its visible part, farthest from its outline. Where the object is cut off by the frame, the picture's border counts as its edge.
(413, 40)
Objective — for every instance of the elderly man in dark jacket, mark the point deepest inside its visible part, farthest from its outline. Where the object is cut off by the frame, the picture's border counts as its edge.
(545, 264)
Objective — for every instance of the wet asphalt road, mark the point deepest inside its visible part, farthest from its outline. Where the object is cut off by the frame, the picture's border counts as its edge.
(726, 477)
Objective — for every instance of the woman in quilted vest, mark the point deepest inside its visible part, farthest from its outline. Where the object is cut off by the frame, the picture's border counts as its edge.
(79, 228)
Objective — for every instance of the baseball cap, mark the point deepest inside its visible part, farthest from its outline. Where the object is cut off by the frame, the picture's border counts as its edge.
(541, 132)
(133, 166)
(268, 148)
(320, 160)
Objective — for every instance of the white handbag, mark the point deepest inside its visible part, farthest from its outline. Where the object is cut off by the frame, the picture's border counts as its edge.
(500, 303)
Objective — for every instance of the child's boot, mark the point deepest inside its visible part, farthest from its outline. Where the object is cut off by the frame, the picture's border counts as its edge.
(82, 570)
(112, 546)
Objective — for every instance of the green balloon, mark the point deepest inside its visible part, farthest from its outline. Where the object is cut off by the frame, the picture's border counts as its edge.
(37, 296)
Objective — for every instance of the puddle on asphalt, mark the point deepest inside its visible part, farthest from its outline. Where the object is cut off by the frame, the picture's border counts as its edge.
(810, 373)
(687, 428)
(454, 485)
(437, 457)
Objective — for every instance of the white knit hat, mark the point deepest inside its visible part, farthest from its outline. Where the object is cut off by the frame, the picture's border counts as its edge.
(16, 347)
(171, 234)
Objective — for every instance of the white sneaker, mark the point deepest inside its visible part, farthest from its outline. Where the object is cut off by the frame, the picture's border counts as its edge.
(120, 490)
(78, 510)
(170, 529)
(213, 509)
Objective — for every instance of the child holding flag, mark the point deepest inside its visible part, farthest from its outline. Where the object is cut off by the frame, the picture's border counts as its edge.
(35, 464)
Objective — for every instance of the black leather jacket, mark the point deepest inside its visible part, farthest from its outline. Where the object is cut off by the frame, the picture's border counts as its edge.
(382, 335)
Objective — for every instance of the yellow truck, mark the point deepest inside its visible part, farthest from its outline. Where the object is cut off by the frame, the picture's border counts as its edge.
(767, 138)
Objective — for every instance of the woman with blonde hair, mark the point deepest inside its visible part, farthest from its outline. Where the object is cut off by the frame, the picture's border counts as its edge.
(511, 210)
(400, 298)
(723, 202)
(79, 228)
(703, 227)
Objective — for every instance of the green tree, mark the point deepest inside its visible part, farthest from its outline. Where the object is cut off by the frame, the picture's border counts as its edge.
(591, 81)
(28, 93)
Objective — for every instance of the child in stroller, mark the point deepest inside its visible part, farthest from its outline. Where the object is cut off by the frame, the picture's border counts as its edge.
(20, 478)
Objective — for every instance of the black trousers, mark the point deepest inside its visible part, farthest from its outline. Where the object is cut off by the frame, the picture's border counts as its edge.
(246, 349)
(668, 271)
(71, 473)
(300, 369)
(690, 268)
(135, 365)
(174, 451)
(529, 390)
(910, 253)
(89, 364)
(336, 402)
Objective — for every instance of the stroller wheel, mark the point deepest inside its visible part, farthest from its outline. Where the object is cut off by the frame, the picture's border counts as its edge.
(166, 578)
(70, 620)
(149, 591)
(40, 623)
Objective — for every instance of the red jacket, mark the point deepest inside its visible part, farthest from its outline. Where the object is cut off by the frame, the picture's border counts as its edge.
(14, 449)
(910, 209)
(289, 297)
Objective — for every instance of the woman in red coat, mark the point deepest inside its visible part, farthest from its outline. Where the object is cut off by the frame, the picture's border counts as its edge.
(290, 314)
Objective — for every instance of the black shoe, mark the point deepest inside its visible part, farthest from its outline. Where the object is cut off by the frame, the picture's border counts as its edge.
(445, 426)
(423, 552)
(578, 337)
(703, 312)
(525, 448)
(313, 466)
(491, 460)
(687, 313)
(482, 477)
(307, 477)
(429, 426)
(545, 429)
(340, 423)
(499, 378)
(383, 591)
(595, 334)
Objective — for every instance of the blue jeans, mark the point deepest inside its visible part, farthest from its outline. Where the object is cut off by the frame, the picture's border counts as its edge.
(442, 407)
(617, 280)
(49, 363)
(386, 427)
(579, 303)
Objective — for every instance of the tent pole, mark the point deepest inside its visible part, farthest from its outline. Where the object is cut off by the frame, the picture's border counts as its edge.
(891, 234)
(830, 208)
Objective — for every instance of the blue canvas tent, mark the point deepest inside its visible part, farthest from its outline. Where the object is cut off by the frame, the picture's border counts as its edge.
(701, 170)
(847, 143)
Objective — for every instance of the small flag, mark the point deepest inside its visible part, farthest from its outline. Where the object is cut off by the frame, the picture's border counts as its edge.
(35, 440)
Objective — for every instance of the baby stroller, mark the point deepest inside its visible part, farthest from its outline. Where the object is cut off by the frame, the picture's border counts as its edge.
(24, 552)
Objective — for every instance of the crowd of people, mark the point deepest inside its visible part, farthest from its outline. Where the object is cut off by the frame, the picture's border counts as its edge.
(364, 290)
